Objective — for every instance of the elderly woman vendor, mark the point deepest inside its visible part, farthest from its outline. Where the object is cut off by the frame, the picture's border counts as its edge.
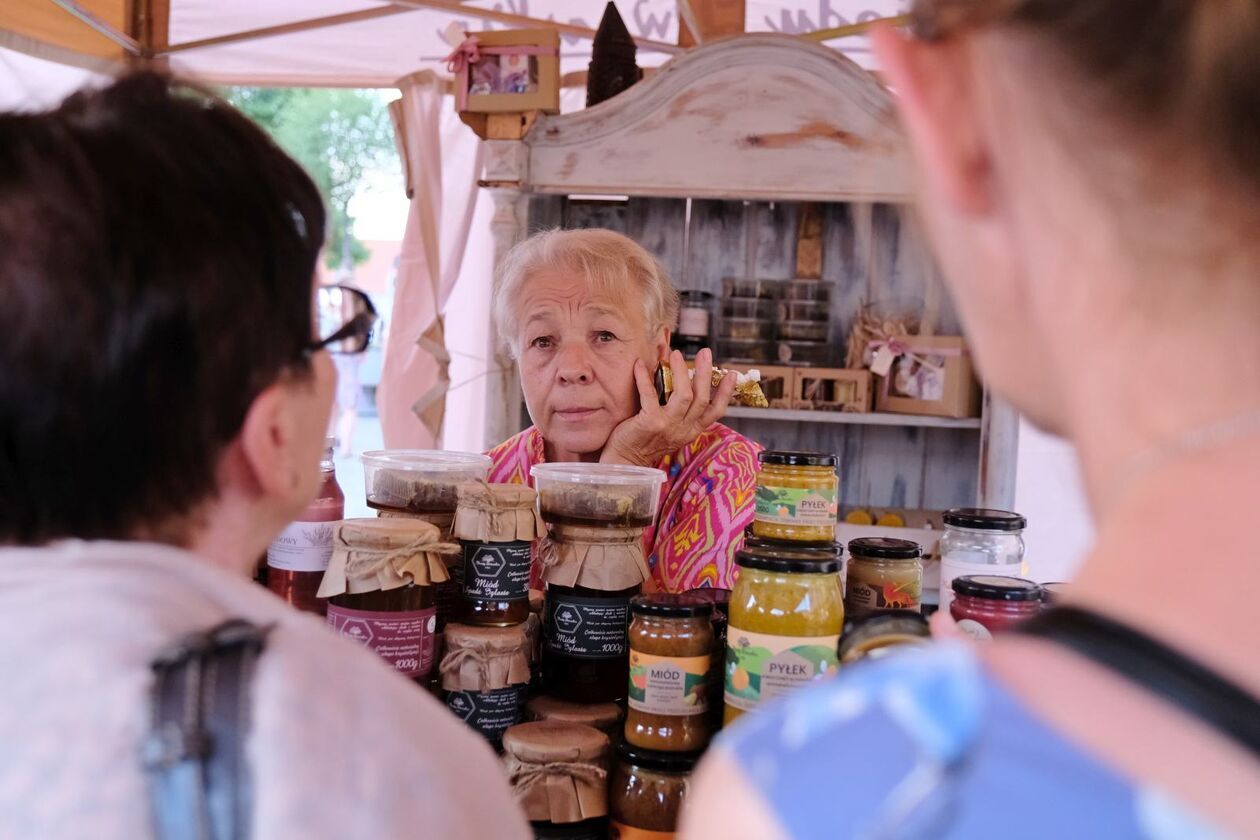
(587, 314)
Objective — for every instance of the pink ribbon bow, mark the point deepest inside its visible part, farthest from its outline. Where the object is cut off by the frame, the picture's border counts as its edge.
(468, 52)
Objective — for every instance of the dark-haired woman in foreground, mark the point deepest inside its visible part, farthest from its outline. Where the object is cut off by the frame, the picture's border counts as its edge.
(1090, 174)
(163, 405)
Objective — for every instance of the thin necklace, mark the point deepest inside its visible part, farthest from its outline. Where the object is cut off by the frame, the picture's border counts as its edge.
(1192, 442)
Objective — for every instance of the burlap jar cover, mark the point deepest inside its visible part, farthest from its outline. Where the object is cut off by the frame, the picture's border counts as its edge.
(609, 559)
(497, 513)
(485, 658)
(558, 771)
(383, 554)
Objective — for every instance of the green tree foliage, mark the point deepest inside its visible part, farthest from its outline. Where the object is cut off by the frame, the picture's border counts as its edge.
(337, 135)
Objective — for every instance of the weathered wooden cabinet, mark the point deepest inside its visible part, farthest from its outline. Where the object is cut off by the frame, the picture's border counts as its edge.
(705, 164)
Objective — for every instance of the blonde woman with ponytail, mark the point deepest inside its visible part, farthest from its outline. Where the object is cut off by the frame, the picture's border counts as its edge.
(1090, 175)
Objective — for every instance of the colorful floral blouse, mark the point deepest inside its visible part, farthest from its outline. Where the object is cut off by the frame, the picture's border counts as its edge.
(706, 504)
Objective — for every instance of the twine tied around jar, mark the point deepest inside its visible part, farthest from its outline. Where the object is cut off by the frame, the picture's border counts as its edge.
(483, 666)
(497, 513)
(357, 568)
(596, 558)
(559, 791)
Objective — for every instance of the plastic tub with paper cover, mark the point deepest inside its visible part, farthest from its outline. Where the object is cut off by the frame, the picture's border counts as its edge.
(420, 480)
(598, 495)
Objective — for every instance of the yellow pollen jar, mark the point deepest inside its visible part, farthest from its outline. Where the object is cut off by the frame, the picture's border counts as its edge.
(797, 497)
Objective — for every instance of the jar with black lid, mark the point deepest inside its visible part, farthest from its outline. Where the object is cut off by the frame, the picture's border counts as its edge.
(883, 574)
(987, 604)
(824, 548)
(646, 791)
(797, 496)
(671, 641)
(786, 618)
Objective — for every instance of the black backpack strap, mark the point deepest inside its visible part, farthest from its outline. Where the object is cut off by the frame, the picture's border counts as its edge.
(1156, 667)
(199, 784)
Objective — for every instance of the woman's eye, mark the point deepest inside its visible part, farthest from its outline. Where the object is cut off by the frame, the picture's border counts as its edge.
(543, 342)
(604, 336)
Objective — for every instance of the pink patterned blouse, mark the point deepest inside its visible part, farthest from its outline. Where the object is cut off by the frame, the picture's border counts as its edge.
(707, 503)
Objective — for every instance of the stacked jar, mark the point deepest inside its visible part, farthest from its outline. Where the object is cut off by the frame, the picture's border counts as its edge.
(559, 776)
(379, 589)
(979, 541)
(671, 648)
(298, 557)
(647, 791)
(424, 484)
(797, 497)
(593, 562)
(486, 665)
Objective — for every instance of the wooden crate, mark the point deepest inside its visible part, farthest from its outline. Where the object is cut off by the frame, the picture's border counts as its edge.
(776, 382)
(832, 389)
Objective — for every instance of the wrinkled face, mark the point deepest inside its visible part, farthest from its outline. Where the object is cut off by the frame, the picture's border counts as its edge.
(576, 349)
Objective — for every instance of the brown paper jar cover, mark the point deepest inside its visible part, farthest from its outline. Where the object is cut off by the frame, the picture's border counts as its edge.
(484, 658)
(533, 635)
(606, 717)
(558, 771)
(536, 601)
(498, 513)
(608, 559)
(383, 554)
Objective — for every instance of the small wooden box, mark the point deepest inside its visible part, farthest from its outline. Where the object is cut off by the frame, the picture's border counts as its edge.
(932, 375)
(832, 389)
(540, 63)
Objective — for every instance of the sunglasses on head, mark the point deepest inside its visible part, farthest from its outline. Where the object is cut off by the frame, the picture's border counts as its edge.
(346, 317)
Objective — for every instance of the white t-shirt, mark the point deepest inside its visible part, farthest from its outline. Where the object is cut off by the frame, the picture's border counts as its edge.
(341, 746)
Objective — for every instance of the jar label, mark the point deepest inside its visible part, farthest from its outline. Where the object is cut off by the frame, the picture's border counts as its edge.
(668, 685)
(761, 666)
(489, 712)
(863, 597)
(796, 506)
(403, 639)
(302, 547)
(587, 628)
(621, 831)
(496, 571)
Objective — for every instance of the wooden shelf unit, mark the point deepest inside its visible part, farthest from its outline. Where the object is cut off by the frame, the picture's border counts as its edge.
(705, 164)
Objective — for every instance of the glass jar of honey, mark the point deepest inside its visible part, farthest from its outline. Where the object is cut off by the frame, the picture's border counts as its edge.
(786, 618)
(884, 574)
(646, 792)
(797, 496)
(671, 642)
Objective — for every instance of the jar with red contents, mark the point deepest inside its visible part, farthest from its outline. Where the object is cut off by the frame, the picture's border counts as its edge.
(987, 604)
(299, 555)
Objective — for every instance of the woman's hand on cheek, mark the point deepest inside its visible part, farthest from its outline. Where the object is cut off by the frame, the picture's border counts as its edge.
(657, 431)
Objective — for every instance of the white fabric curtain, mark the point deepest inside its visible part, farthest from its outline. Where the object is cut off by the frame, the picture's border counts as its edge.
(442, 162)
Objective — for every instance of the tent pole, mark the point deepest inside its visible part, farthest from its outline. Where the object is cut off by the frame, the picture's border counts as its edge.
(93, 22)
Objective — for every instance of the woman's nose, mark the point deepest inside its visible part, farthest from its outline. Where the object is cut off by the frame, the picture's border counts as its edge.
(575, 365)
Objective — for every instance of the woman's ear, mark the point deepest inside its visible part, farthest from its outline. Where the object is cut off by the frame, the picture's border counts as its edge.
(663, 336)
(269, 442)
(935, 85)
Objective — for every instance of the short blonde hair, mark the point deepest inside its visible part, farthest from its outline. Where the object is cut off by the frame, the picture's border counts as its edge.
(608, 260)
